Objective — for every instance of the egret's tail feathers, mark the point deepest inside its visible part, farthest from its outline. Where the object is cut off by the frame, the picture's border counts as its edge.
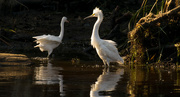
(37, 41)
(40, 47)
(121, 64)
(36, 46)
(121, 61)
(34, 40)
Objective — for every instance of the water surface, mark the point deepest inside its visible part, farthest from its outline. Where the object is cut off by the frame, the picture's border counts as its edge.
(57, 78)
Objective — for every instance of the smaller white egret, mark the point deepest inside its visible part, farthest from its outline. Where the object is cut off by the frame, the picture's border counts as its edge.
(106, 49)
(49, 42)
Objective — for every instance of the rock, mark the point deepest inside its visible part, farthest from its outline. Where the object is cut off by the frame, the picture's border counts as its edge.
(8, 59)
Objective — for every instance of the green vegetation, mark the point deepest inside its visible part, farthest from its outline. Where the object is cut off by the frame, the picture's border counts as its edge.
(154, 35)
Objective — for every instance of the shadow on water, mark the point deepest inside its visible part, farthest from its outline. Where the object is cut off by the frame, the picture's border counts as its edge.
(54, 78)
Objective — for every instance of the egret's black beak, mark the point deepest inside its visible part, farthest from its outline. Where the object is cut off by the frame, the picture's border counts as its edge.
(89, 16)
(67, 21)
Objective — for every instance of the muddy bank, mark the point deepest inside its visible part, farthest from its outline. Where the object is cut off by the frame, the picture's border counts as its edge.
(154, 37)
(8, 59)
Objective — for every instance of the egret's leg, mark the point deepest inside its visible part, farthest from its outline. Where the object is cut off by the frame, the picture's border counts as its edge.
(49, 52)
(104, 62)
(104, 71)
(48, 56)
(108, 64)
(107, 70)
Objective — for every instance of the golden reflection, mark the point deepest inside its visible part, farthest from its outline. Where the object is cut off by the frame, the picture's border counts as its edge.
(146, 81)
(14, 72)
(138, 76)
(14, 59)
(48, 75)
(106, 82)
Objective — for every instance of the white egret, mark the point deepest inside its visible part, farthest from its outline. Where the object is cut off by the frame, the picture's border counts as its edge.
(49, 42)
(106, 49)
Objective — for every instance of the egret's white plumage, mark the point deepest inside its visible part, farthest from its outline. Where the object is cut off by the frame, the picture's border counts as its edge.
(49, 42)
(106, 49)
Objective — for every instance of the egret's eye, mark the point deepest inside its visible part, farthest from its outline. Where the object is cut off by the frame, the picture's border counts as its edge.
(93, 14)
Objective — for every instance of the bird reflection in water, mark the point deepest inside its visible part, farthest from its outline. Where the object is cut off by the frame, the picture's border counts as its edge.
(48, 75)
(106, 82)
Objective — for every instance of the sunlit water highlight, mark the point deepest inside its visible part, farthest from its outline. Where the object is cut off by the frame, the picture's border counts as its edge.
(55, 78)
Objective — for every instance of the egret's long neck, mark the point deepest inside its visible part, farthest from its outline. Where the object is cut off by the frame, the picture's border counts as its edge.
(62, 30)
(95, 33)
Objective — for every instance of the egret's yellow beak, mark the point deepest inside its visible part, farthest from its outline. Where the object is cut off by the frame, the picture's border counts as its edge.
(93, 15)
(67, 21)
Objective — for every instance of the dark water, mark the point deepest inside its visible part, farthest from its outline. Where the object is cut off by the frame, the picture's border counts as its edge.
(87, 79)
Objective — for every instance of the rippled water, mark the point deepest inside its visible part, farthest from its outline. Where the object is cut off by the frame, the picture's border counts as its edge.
(56, 78)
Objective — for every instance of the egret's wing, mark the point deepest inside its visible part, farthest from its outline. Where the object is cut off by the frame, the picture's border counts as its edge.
(110, 42)
(113, 54)
(48, 38)
(108, 50)
(104, 48)
(39, 37)
(46, 45)
(46, 42)
(110, 46)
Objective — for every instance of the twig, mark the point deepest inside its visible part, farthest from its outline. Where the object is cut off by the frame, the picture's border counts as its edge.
(22, 4)
(160, 47)
(5, 42)
(153, 6)
(154, 20)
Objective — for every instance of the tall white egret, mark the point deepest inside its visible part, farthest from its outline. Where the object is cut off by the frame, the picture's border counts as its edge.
(106, 49)
(49, 42)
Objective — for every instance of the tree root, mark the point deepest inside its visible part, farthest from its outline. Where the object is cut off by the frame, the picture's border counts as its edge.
(145, 32)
